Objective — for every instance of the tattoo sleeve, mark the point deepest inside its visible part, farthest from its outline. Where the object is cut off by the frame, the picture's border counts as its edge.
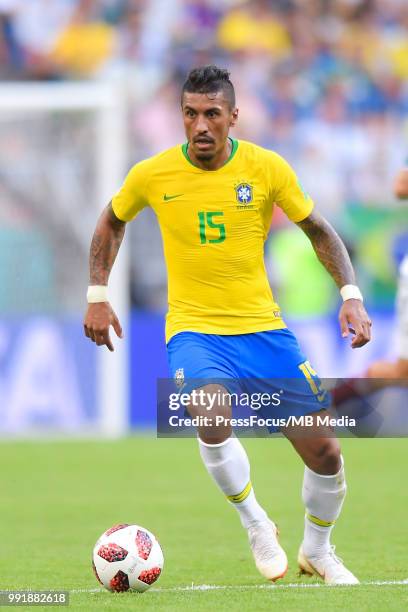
(105, 245)
(329, 248)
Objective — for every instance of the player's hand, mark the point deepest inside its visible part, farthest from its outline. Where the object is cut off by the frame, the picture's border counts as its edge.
(354, 319)
(98, 319)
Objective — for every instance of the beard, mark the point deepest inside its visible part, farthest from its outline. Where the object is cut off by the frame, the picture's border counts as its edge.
(205, 155)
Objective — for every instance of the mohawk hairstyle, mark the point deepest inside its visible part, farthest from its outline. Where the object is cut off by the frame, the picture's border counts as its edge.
(210, 80)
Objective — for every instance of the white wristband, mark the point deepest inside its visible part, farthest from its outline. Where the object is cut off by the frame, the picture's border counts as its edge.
(351, 292)
(97, 293)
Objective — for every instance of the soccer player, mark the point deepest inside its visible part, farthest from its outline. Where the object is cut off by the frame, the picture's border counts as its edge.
(214, 197)
(393, 370)
(383, 373)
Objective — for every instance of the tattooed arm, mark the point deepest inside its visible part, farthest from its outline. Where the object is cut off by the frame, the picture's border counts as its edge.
(329, 248)
(105, 245)
(332, 253)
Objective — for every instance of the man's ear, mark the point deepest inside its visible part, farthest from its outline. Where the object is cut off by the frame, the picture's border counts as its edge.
(234, 117)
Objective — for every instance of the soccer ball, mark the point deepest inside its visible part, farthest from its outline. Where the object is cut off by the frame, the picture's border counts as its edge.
(127, 557)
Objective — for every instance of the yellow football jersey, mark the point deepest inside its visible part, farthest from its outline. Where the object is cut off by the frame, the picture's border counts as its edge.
(214, 225)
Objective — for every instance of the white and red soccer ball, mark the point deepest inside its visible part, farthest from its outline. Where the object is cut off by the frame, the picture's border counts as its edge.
(127, 557)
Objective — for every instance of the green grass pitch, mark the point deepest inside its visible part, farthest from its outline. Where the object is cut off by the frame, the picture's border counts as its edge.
(57, 497)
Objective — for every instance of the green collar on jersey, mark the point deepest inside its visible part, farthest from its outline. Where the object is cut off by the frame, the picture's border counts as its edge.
(234, 148)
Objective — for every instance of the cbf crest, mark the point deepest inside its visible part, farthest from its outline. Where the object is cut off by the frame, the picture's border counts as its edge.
(244, 193)
(179, 377)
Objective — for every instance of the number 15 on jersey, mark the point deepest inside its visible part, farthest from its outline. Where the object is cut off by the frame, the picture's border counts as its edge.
(206, 220)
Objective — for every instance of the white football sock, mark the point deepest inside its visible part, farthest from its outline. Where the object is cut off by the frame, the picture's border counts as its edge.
(229, 466)
(323, 497)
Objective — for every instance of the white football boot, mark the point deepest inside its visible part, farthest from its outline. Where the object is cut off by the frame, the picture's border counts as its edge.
(329, 567)
(270, 558)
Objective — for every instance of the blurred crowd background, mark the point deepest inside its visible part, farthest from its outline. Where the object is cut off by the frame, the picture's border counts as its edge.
(323, 82)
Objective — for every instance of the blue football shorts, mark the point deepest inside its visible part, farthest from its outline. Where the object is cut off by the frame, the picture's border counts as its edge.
(269, 362)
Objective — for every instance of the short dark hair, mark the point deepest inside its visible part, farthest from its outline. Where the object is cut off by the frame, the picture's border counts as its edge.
(210, 79)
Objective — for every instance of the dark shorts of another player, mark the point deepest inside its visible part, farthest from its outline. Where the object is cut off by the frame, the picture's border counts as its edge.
(269, 362)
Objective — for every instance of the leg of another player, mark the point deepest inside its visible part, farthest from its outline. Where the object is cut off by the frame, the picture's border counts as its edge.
(227, 462)
(323, 493)
(388, 372)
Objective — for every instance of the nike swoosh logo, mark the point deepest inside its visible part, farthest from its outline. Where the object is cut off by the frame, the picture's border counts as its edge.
(166, 198)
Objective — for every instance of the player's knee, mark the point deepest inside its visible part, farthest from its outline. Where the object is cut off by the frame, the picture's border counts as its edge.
(214, 435)
(327, 457)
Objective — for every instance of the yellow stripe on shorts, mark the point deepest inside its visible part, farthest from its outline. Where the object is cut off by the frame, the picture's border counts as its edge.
(317, 521)
(239, 497)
